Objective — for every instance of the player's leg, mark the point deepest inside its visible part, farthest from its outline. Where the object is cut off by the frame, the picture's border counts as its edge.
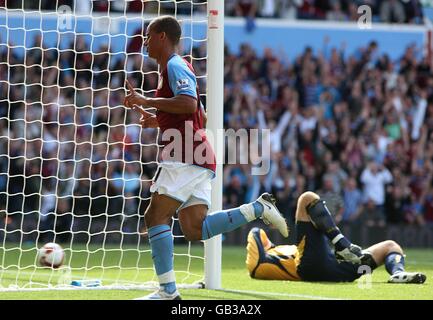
(197, 225)
(157, 218)
(313, 246)
(391, 254)
(191, 220)
(173, 186)
(310, 208)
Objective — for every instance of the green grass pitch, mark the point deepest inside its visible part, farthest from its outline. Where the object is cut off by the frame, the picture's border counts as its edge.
(235, 279)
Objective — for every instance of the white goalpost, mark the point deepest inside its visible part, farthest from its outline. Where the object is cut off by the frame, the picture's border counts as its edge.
(75, 165)
(215, 103)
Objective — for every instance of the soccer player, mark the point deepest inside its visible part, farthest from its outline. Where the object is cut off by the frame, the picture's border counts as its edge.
(183, 184)
(312, 258)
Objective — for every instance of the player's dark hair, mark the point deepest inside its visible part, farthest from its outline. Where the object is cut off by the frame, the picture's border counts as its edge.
(170, 26)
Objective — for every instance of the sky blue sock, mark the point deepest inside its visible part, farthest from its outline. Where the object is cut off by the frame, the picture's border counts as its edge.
(258, 209)
(161, 243)
(227, 220)
(394, 262)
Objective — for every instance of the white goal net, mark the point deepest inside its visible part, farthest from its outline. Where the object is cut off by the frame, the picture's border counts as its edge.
(75, 165)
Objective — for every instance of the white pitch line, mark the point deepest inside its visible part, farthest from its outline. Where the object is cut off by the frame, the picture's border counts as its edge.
(427, 263)
(290, 295)
(54, 275)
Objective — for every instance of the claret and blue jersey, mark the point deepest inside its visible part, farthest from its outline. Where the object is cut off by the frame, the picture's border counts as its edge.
(178, 78)
(181, 78)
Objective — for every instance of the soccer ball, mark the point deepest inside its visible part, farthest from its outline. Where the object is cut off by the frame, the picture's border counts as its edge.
(51, 255)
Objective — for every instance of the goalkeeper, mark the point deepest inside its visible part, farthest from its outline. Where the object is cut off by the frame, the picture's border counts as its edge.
(312, 259)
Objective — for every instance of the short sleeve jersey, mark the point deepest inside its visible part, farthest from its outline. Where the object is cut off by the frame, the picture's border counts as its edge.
(178, 78)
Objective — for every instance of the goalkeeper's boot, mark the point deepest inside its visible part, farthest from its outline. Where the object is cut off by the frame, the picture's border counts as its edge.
(271, 215)
(161, 294)
(351, 254)
(407, 277)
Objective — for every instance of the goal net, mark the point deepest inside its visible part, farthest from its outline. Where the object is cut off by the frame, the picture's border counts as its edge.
(75, 165)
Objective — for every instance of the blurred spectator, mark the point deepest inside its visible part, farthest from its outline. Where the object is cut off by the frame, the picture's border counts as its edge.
(127, 181)
(428, 206)
(289, 8)
(372, 215)
(246, 8)
(395, 201)
(268, 8)
(83, 7)
(413, 11)
(277, 130)
(413, 211)
(374, 178)
(336, 13)
(288, 195)
(334, 200)
(136, 43)
(234, 192)
(307, 10)
(338, 176)
(63, 221)
(353, 201)
(136, 6)
(392, 11)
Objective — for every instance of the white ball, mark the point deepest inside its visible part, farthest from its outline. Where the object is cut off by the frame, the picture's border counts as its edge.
(51, 255)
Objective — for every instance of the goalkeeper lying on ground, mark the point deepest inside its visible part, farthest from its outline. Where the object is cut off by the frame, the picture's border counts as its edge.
(312, 259)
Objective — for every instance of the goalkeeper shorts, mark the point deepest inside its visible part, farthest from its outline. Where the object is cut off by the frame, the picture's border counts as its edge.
(317, 261)
(187, 183)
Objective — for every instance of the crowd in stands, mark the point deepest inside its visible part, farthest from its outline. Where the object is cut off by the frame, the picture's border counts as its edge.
(390, 11)
(357, 129)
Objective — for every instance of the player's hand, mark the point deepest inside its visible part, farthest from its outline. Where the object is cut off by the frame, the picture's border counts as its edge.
(148, 120)
(133, 98)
